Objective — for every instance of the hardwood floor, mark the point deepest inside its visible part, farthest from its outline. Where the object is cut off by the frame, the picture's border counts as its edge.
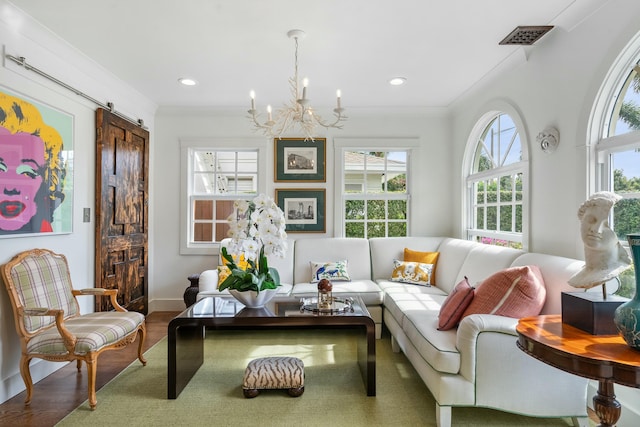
(61, 392)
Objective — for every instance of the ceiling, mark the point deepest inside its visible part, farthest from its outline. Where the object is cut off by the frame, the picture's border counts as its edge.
(443, 48)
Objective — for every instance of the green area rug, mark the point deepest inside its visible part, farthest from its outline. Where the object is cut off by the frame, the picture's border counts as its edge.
(334, 391)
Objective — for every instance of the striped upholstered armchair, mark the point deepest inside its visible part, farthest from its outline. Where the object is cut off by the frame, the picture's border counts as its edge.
(48, 319)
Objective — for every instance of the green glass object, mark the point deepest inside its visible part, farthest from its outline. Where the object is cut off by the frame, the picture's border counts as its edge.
(627, 315)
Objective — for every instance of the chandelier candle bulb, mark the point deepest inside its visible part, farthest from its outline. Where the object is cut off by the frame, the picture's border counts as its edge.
(298, 114)
(269, 112)
(338, 95)
(252, 94)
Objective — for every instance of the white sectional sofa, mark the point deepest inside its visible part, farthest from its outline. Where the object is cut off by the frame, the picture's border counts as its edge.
(475, 364)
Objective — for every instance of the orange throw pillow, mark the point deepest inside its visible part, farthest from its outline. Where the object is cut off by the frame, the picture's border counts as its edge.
(424, 258)
(514, 292)
(455, 304)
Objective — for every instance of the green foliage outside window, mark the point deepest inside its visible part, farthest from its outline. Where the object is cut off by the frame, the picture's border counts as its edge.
(375, 216)
(506, 209)
(376, 212)
(626, 220)
(626, 213)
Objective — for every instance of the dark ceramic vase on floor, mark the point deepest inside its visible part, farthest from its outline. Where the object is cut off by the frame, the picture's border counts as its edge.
(627, 315)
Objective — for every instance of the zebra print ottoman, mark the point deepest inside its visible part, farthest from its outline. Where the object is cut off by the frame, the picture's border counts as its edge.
(274, 373)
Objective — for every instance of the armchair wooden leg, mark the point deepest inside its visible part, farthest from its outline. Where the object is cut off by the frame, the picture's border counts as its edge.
(26, 377)
(142, 334)
(79, 364)
(92, 367)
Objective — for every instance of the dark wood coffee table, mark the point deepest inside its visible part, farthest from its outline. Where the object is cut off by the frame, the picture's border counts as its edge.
(186, 333)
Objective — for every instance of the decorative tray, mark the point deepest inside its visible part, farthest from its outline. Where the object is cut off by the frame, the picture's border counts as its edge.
(338, 306)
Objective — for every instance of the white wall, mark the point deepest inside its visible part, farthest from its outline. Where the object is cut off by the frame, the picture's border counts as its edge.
(20, 36)
(555, 83)
(431, 192)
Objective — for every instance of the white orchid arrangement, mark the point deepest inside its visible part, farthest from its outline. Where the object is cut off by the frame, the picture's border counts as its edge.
(257, 229)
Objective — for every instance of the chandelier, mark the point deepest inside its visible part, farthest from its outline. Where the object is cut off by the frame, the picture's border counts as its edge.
(298, 112)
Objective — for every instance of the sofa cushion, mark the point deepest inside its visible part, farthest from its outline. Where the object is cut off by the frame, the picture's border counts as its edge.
(513, 292)
(459, 258)
(416, 273)
(355, 250)
(334, 271)
(399, 303)
(388, 286)
(455, 305)
(368, 290)
(425, 258)
(386, 249)
(420, 325)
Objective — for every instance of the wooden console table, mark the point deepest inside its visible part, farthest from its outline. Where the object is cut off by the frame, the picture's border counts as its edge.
(606, 358)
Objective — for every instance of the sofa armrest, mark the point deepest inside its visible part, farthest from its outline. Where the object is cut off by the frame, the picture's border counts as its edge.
(208, 280)
(470, 329)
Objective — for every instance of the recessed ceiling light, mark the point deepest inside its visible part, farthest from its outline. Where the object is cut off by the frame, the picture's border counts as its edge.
(187, 81)
(397, 81)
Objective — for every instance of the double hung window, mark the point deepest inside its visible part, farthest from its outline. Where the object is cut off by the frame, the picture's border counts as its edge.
(495, 184)
(214, 179)
(617, 162)
(375, 193)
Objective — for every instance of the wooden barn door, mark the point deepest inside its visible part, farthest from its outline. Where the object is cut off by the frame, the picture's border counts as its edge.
(122, 183)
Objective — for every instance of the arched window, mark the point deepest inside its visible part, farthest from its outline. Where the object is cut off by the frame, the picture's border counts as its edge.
(495, 172)
(616, 133)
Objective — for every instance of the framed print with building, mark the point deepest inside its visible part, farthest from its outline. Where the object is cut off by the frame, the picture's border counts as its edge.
(304, 209)
(299, 160)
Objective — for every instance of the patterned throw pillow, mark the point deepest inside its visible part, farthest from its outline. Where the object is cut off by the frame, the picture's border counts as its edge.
(513, 292)
(416, 273)
(425, 258)
(223, 273)
(334, 271)
(454, 306)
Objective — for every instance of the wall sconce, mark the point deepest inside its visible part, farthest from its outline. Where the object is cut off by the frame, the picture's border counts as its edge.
(548, 140)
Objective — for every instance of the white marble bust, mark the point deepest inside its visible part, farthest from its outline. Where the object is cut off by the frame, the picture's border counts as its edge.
(605, 257)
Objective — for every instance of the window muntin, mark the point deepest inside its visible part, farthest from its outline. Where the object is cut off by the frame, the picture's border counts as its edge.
(217, 178)
(495, 185)
(625, 111)
(375, 193)
(498, 146)
(618, 163)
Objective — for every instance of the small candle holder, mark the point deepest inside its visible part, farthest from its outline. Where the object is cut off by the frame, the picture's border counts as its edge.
(325, 297)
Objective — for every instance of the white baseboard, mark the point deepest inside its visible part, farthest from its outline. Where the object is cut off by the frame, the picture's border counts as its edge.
(39, 369)
(629, 399)
(169, 304)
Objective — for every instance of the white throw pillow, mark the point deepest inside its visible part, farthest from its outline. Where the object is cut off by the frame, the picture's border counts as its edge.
(334, 271)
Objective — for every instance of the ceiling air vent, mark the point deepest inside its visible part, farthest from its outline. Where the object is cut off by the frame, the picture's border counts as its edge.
(526, 35)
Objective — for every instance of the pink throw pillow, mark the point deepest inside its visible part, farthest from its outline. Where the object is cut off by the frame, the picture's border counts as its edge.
(514, 292)
(455, 304)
